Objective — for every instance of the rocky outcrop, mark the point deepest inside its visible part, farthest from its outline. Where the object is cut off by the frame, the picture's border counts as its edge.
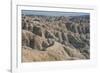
(53, 53)
(38, 43)
(56, 52)
(27, 36)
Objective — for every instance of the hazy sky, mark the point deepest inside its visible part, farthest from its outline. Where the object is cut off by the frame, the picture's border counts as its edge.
(52, 13)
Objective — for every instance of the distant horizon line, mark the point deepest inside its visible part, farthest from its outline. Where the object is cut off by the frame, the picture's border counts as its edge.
(52, 13)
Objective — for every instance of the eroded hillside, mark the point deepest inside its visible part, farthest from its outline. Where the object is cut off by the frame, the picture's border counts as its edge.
(55, 38)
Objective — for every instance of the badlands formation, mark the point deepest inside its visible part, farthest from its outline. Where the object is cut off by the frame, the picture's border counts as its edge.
(55, 38)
